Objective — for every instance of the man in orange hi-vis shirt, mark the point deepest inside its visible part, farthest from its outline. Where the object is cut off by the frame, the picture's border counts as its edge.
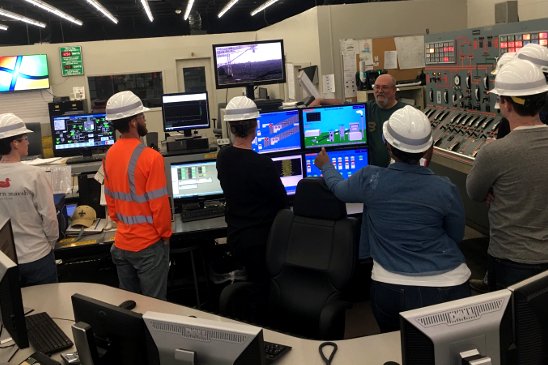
(137, 200)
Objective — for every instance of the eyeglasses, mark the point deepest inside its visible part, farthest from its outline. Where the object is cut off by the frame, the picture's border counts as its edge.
(24, 138)
(383, 87)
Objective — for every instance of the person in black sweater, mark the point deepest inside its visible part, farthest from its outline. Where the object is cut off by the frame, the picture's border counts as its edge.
(252, 188)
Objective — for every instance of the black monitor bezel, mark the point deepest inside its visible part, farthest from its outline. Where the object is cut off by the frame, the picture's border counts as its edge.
(11, 301)
(126, 330)
(85, 151)
(186, 128)
(247, 84)
(192, 198)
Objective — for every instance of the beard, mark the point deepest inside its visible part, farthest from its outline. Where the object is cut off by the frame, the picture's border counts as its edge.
(142, 130)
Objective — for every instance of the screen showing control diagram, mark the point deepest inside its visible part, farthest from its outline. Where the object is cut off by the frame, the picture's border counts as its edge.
(195, 179)
(277, 131)
(82, 131)
(338, 125)
(290, 169)
(347, 162)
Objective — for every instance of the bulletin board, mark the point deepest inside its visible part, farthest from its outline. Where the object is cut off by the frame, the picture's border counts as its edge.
(380, 45)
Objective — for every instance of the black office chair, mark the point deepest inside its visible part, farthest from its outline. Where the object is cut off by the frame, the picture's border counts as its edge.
(311, 257)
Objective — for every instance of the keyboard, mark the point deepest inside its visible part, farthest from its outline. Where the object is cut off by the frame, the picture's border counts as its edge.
(273, 351)
(211, 211)
(45, 335)
(84, 159)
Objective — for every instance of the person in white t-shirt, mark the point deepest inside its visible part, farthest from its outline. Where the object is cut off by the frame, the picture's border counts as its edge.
(26, 198)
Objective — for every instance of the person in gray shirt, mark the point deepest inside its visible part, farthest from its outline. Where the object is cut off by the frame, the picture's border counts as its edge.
(511, 175)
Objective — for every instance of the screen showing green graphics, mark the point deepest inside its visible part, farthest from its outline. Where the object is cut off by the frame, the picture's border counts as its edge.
(337, 125)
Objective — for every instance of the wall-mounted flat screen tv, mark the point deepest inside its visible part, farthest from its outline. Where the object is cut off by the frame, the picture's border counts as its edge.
(249, 63)
(24, 72)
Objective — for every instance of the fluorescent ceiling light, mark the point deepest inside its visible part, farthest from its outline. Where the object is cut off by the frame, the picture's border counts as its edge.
(188, 9)
(262, 7)
(227, 8)
(147, 10)
(21, 18)
(47, 7)
(3, 27)
(102, 9)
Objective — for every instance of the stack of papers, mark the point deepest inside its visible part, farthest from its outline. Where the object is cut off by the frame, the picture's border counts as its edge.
(97, 227)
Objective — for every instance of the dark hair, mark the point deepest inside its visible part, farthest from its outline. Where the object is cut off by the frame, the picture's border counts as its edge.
(407, 157)
(122, 125)
(242, 128)
(5, 144)
(532, 106)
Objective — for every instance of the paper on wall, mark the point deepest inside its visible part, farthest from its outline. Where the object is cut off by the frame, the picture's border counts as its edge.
(410, 51)
(390, 60)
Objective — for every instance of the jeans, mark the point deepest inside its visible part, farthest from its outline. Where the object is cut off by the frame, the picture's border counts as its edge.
(41, 271)
(143, 271)
(388, 300)
(503, 273)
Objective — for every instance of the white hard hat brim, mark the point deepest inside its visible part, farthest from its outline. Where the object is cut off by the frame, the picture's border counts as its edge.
(404, 144)
(517, 90)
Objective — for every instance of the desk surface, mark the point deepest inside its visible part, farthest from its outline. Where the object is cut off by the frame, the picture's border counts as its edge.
(55, 299)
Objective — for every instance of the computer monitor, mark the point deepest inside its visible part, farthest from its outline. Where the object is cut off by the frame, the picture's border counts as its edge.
(12, 315)
(7, 243)
(249, 64)
(24, 72)
(119, 334)
(530, 304)
(195, 180)
(334, 125)
(185, 112)
(278, 131)
(81, 134)
(438, 334)
(290, 168)
(347, 162)
(183, 340)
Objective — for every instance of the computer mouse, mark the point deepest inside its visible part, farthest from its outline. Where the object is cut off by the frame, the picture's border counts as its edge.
(128, 304)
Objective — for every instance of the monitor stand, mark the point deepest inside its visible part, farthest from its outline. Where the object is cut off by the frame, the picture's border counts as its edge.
(250, 91)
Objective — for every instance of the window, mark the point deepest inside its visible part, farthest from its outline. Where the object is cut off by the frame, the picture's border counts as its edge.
(148, 86)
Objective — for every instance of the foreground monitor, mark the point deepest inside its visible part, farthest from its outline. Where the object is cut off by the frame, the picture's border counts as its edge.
(81, 134)
(438, 334)
(185, 112)
(334, 125)
(277, 131)
(195, 180)
(183, 340)
(290, 169)
(12, 316)
(119, 334)
(347, 162)
(530, 304)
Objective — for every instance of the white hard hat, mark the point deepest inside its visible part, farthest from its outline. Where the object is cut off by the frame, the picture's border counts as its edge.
(535, 53)
(241, 108)
(11, 125)
(408, 129)
(519, 78)
(503, 60)
(124, 104)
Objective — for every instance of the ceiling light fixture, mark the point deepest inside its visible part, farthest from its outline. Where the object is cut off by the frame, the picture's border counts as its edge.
(227, 8)
(147, 10)
(47, 7)
(3, 27)
(103, 10)
(262, 7)
(188, 9)
(21, 18)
